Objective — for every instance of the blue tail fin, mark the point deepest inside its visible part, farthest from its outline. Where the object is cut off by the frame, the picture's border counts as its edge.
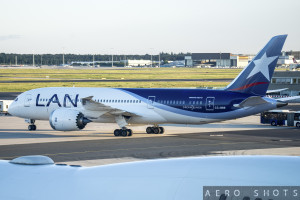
(255, 78)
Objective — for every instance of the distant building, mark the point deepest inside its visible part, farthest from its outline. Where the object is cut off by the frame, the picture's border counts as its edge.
(286, 79)
(188, 62)
(285, 60)
(211, 59)
(239, 60)
(219, 60)
(177, 63)
(137, 63)
(296, 54)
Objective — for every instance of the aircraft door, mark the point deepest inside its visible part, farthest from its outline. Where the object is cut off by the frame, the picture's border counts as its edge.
(151, 100)
(210, 103)
(27, 101)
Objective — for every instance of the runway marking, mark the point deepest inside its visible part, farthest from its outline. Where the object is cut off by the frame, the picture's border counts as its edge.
(141, 148)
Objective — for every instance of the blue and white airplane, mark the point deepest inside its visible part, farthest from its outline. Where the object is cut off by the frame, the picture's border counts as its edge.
(69, 109)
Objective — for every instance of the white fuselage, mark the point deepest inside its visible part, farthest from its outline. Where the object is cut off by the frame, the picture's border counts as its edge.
(39, 103)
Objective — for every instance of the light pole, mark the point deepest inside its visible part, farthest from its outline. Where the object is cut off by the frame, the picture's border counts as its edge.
(112, 58)
(93, 61)
(33, 59)
(159, 59)
(151, 57)
(63, 56)
(220, 59)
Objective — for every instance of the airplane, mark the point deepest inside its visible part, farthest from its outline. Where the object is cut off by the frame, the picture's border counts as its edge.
(286, 98)
(192, 178)
(295, 65)
(72, 108)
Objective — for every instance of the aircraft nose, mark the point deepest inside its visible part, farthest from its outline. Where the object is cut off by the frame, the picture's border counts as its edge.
(12, 108)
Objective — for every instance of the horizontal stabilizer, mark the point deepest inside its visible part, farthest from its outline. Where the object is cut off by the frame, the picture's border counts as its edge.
(251, 101)
(278, 90)
(287, 99)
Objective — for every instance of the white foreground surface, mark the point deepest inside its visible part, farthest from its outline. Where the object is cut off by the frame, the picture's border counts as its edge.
(182, 178)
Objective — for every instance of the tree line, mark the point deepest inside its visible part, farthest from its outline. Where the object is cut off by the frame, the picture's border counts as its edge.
(57, 59)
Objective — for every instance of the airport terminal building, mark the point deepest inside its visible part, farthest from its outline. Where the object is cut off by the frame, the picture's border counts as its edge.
(219, 60)
(286, 79)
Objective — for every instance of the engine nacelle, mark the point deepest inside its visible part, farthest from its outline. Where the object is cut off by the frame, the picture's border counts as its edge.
(64, 119)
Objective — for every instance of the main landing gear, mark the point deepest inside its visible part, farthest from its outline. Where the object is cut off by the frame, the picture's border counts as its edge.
(123, 132)
(155, 130)
(31, 126)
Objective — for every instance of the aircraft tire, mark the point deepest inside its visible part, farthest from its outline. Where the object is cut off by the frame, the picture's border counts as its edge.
(117, 132)
(124, 133)
(161, 130)
(129, 132)
(149, 130)
(31, 127)
(156, 130)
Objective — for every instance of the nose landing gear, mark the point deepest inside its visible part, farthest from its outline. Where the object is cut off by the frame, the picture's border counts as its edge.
(31, 126)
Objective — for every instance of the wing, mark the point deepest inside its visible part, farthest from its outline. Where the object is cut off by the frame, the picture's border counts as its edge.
(91, 105)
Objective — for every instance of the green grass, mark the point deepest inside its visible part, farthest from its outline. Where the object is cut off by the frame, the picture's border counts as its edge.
(154, 73)
(21, 87)
(142, 73)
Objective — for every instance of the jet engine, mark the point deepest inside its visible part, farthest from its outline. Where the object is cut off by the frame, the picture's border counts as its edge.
(67, 120)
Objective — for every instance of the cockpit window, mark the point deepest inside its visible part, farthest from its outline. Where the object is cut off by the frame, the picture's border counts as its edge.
(16, 99)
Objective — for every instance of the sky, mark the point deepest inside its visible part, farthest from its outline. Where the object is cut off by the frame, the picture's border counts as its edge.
(143, 26)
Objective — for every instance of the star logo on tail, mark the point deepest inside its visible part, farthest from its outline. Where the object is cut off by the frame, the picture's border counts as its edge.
(262, 66)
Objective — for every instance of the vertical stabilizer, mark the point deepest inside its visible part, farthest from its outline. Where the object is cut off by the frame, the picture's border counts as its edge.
(256, 77)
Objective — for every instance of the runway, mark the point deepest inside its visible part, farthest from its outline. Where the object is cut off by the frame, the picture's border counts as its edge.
(96, 144)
